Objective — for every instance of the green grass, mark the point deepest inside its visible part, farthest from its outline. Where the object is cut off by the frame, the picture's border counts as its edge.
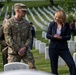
(31, 3)
(1, 64)
(41, 63)
(44, 65)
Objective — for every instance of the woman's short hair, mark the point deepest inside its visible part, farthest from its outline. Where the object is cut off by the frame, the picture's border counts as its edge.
(60, 16)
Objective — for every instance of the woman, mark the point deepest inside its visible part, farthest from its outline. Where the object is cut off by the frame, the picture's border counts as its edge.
(59, 32)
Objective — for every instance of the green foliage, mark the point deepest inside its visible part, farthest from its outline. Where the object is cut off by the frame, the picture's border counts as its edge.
(68, 5)
(1, 4)
(8, 1)
(70, 18)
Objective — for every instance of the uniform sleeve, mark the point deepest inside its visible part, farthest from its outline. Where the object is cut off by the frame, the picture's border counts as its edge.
(29, 38)
(8, 36)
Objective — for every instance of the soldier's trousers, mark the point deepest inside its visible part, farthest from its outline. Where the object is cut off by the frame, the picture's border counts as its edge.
(27, 58)
(4, 55)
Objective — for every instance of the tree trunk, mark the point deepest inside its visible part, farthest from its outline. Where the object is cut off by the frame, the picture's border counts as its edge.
(52, 2)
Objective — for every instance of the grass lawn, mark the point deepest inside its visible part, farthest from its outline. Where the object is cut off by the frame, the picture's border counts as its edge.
(44, 65)
(41, 63)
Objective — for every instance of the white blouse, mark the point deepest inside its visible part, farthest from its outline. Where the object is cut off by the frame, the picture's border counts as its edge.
(58, 31)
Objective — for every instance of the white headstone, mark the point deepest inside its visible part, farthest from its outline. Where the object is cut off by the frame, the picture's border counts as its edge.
(61, 62)
(42, 47)
(15, 66)
(34, 42)
(71, 45)
(49, 41)
(71, 38)
(75, 38)
(37, 44)
(43, 34)
(74, 57)
(25, 72)
(46, 53)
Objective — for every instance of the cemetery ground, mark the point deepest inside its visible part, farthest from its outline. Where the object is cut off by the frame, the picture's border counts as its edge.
(41, 64)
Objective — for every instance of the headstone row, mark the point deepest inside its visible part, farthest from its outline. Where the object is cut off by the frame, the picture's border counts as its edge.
(48, 12)
(38, 23)
(53, 11)
(47, 17)
(45, 22)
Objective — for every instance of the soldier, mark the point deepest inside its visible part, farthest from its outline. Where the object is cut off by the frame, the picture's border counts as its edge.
(52, 2)
(33, 33)
(3, 44)
(18, 37)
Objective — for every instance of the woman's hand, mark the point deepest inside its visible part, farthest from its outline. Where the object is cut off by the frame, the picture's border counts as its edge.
(57, 36)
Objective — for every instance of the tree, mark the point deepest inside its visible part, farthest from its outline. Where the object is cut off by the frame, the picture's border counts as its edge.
(52, 2)
(1, 4)
(68, 5)
(8, 1)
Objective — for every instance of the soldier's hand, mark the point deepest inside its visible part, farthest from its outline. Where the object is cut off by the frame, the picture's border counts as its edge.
(22, 51)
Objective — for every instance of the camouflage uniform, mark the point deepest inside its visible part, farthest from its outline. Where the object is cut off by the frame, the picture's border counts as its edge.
(17, 35)
(3, 46)
(4, 52)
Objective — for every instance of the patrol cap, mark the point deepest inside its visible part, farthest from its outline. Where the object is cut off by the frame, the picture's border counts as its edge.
(20, 6)
(31, 23)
